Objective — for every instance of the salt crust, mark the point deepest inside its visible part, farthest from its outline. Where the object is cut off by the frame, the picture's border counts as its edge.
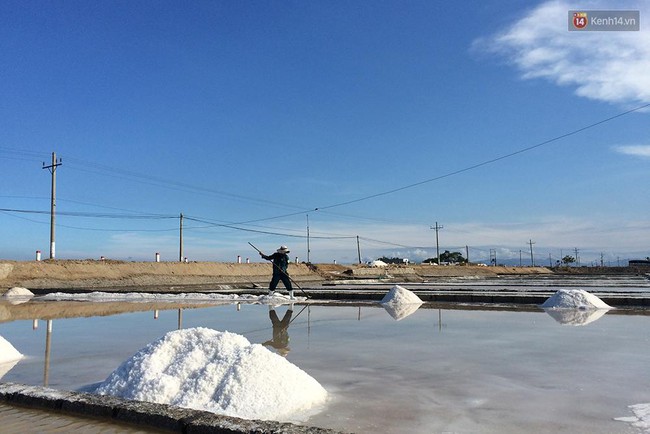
(574, 299)
(220, 372)
(641, 418)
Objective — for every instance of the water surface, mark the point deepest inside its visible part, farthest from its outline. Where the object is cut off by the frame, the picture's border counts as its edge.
(440, 369)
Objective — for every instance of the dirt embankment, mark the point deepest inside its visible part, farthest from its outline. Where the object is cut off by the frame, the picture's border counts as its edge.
(176, 276)
(64, 274)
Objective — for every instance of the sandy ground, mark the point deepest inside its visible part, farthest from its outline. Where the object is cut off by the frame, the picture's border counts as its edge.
(176, 276)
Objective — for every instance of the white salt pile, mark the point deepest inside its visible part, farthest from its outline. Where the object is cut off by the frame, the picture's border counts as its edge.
(18, 295)
(400, 302)
(18, 291)
(378, 263)
(574, 299)
(220, 372)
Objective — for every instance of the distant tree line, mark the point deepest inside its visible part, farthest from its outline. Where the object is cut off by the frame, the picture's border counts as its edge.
(386, 260)
(446, 257)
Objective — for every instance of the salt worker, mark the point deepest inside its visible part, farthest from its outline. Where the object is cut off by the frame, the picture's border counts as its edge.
(280, 263)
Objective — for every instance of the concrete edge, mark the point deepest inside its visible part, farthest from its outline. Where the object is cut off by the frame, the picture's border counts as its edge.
(147, 414)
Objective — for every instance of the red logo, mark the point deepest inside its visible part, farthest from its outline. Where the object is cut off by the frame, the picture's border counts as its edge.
(580, 20)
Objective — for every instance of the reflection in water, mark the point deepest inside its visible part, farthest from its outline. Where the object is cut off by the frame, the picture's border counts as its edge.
(48, 349)
(490, 377)
(7, 366)
(280, 339)
(400, 310)
(9, 356)
(576, 317)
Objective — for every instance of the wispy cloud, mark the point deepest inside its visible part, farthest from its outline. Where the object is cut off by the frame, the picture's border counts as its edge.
(634, 150)
(604, 66)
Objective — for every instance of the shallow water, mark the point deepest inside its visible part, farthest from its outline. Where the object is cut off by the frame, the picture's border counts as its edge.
(437, 370)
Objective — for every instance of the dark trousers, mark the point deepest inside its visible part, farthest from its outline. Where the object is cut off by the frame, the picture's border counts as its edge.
(280, 277)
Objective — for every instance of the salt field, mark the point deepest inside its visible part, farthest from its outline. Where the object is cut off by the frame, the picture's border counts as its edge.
(608, 282)
(419, 368)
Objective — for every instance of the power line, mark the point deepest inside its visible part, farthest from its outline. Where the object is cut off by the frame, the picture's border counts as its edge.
(486, 162)
(188, 187)
(238, 228)
(160, 182)
(93, 215)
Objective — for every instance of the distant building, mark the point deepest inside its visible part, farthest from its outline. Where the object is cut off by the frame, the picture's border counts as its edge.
(639, 263)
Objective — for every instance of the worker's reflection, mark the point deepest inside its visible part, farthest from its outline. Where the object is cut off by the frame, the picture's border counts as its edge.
(280, 339)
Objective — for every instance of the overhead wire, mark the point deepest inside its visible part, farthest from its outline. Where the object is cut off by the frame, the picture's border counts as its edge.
(235, 227)
(161, 182)
(486, 162)
(153, 180)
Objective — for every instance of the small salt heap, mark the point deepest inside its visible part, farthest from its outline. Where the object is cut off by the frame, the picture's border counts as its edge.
(18, 295)
(400, 302)
(575, 307)
(220, 372)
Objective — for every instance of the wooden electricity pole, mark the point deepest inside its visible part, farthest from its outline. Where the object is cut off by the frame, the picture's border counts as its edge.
(52, 168)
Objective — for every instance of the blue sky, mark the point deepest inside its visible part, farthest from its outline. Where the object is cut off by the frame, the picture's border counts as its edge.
(264, 116)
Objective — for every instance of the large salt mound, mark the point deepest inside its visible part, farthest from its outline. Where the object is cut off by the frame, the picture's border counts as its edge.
(400, 302)
(7, 352)
(219, 372)
(574, 299)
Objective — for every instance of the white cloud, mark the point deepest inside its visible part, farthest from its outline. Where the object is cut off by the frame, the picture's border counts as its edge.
(634, 150)
(604, 66)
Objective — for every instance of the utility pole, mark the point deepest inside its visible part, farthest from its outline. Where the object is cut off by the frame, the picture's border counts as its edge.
(520, 258)
(52, 168)
(601, 260)
(532, 259)
(180, 249)
(550, 261)
(437, 228)
(575, 249)
(467, 253)
(308, 249)
(358, 249)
